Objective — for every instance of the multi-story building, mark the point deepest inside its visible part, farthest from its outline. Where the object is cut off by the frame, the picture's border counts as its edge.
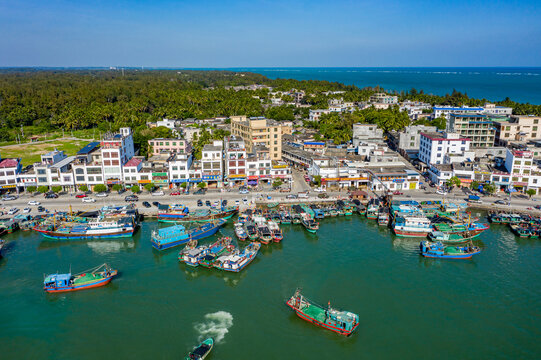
(179, 168)
(260, 131)
(169, 146)
(519, 164)
(409, 138)
(314, 115)
(434, 146)
(258, 165)
(492, 109)
(518, 128)
(366, 133)
(87, 166)
(212, 163)
(476, 127)
(116, 150)
(132, 171)
(446, 111)
(382, 98)
(9, 172)
(235, 160)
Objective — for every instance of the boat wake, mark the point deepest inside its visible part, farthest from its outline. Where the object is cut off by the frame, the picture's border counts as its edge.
(216, 325)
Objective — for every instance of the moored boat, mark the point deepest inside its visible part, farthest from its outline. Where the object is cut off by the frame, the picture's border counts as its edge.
(173, 212)
(285, 217)
(240, 232)
(341, 322)
(175, 235)
(449, 238)
(411, 225)
(221, 247)
(96, 277)
(251, 230)
(276, 233)
(237, 261)
(438, 250)
(201, 351)
(100, 228)
(309, 224)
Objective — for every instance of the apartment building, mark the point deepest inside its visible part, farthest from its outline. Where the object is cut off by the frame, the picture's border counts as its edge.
(235, 160)
(366, 133)
(519, 164)
(315, 115)
(382, 98)
(409, 138)
(258, 165)
(212, 163)
(434, 146)
(446, 111)
(169, 146)
(260, 131)
(9, 172)
(518, 128)
(179, 168)
(477, 127)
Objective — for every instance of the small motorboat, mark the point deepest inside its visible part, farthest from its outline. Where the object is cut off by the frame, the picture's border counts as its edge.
(438, 250)
(201, 351)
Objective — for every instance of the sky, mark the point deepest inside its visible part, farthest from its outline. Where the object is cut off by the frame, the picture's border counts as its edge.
(270, 33)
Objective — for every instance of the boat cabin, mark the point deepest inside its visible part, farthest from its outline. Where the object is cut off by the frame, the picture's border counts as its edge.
(57, 280)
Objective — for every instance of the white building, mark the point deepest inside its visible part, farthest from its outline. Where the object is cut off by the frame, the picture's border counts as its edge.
(446, 111)
(235, 160)
(179, 168)
(9, 172)
(519, 163)
(212, 162)
(116, 150)
(434, 146)
(314, 115)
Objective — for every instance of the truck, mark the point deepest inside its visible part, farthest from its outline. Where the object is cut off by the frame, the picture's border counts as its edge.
(474, 199)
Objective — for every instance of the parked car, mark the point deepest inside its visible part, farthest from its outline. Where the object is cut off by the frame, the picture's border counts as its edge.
(121, 191)
(199, 202)
(208, 203)
(131, 198)
(80, 196)
(26, 210)
(175, 193)
(89, 200)
(396, 192)
(158, 193)
(146, 204)
(34, 203)
(41, 208)
(237, 202)
(303, 195)
(200, 192)
(291, 196)
(51, 196)
(155, 203)
(320, 189)
(9, 197)
(245, 201)
(13, 211)
(102, 194)
(441, 192)
(244, 191)
(323, 195)
(505, 202)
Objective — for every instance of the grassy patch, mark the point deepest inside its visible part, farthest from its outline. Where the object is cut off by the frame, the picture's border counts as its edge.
(31, 153)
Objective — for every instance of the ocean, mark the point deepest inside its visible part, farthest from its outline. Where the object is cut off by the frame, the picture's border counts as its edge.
(494, 84)
(410, 307)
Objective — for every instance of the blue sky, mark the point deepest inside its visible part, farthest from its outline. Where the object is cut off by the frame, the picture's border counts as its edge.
(267, 33)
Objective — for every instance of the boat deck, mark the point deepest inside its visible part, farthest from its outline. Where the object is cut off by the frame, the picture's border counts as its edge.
(315, 312)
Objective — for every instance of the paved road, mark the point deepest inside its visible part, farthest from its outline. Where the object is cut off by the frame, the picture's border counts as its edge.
(299, 184)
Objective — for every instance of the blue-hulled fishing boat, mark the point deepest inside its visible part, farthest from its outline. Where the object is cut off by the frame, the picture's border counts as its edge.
(173, 212)
(99, 276)
(438, 250)
(177, 235)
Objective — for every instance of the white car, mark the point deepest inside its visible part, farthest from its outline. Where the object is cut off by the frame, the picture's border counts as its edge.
(102, 194)
(34, 203)
(158, 193)
(441, 192)
(245, 201)
(243, 191)
(89, 200)
(13, 211)
(320, 189)
(26, 210)
(237, 202)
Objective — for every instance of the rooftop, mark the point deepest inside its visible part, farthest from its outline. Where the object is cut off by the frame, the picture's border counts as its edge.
(89, 148)
(133, 162)
(8, 163)
(63, 162)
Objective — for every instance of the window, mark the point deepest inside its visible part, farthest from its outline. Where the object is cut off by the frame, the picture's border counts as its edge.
(106, 155)
(536, 121)
(115, 162)
(42, 179)
(114, 155)
(80, 178)
(98, 178)
(91, 178)
(40, 172)
(79, 171)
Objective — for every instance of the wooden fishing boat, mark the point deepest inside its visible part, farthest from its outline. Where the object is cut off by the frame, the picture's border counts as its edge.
(521, 231)
(276, 233)
(272, 205)
(92, 278)
(383, 217)
(438, 250)
(175, 235)
(449, 238)
(309, 224)
(2, 243)
(251, 230)
(285, 217)
(204, 215)
(341, 322)
(221, 247)
(190, 245)
(201, 351)
(240, 232)
(237, 261)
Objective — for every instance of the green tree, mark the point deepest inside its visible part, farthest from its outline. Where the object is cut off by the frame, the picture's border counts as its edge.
(531, 192)
(56, 189)
(202, 185)
(43, 189)
(149, 187)
(135, 189)
(100, 188)
(117, 187)
(31, 189)
(474, 185)
(183, 185)
(440, 123)
(489, 188)
(453, 181)
(276, 183)
(83, 188)
(317, 180)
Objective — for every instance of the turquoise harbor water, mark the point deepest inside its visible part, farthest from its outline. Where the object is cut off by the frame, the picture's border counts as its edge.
(410, 307)
(519, 84)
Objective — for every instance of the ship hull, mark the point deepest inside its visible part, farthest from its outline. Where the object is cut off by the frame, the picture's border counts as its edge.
(62, 236)
(321, 324)
(94, 284)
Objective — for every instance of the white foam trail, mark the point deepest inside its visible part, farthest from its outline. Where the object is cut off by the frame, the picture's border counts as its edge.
(216, 325)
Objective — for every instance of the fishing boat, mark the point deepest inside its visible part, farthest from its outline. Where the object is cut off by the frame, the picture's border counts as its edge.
(296, 218)
(318, 213)
(272, 205)
(438, 250)
(309, 224)
(383, 217)
(521, 231)
(102, 227)
(221, 247)
(411, 225)
(373, 209)
(237, 261)
(263, 231)
(251, 230)
(348, 210)
(9, 225)
(201, 351)
(361, 209)
(276, 233)
(2, 243)
(173, 212)
(244, 218)
(190, 245)
(192, 257)
(175, 235)
(285, 217)
(449, 238)
(473, 228)
(341, 322)
(205, 215)
(92, 278)
(240, 232)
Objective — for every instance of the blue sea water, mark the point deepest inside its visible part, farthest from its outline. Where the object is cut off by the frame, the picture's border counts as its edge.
(519, 84)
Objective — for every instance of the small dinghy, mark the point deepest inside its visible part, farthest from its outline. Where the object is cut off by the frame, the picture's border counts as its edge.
(201, 351)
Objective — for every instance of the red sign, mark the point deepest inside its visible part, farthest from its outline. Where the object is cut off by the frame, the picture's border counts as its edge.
(253, 177)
